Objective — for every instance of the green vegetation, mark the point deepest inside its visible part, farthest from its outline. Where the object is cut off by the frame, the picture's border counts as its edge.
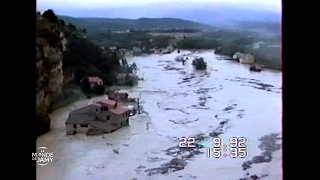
(94, 25)
(137, 39)
(121, 40)
(85, 86)
(113, 32)
(83, 59)
(199, 64)
(69, 94)
(49, 14)
(128, 68)
(269, 57)
(268, 27)
(198, 43)
(98, 89)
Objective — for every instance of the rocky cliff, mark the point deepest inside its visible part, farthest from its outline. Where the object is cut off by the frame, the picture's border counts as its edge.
(50, 44)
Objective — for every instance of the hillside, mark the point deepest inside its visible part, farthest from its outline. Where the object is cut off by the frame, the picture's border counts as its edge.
(263, 27)
(107, 24)
(222, 14)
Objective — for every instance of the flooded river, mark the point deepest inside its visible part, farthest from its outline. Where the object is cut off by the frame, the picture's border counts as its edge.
(226, 100)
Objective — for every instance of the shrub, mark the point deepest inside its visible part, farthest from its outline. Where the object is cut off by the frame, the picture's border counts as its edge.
(98, 89)
(199, 64)
(85, 86)
(50, 15)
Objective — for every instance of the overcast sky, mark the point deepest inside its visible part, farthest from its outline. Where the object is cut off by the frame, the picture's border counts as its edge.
(70, 5)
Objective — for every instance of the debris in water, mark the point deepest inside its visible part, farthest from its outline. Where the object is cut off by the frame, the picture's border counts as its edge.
(184, 121)
(268, 145)
(199, 146)
(115, 151)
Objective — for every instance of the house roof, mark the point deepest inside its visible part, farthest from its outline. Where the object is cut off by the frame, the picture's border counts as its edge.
(94, 104)
(119, 110)
(107, 102)
(120, 95)
(79, 118)
(121, 75)
(94, 79)
(86, 105)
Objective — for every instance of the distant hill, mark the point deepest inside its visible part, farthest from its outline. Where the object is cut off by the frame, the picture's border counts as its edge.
(225, 16)
(222, 14)
(105, 24)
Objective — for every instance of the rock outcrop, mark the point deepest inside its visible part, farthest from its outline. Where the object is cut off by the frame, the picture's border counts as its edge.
(50, 44)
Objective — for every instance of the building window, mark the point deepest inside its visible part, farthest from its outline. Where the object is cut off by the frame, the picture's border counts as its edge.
(108, 117)
(74, 126)
(83, 125)
(105, 108)
(97, 109)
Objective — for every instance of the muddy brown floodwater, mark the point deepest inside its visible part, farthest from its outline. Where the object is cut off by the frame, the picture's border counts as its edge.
(226, 100)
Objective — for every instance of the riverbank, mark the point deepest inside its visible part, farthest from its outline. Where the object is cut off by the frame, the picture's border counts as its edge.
(69, 94)
(271, 61)
(268, 57)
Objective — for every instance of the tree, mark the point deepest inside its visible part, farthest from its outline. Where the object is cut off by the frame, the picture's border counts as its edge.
(85, 86)
(124, 62)
(62, 22)
(128, 80)
(134, 67)
(50, 15)
(98, 89)
(93, 71)
(161, 41)
(199, 64)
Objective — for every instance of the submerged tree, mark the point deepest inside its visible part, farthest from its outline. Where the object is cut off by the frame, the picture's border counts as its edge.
(134, 67)
(199, 64)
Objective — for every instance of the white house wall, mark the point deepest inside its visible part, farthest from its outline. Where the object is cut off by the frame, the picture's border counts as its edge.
(71, 130)
(81, 129)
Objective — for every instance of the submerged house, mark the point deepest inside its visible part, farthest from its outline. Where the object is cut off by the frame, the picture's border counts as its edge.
(103, 116)
(123, 99)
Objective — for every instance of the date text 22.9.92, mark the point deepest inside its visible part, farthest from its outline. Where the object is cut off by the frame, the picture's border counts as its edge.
(235, 148)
